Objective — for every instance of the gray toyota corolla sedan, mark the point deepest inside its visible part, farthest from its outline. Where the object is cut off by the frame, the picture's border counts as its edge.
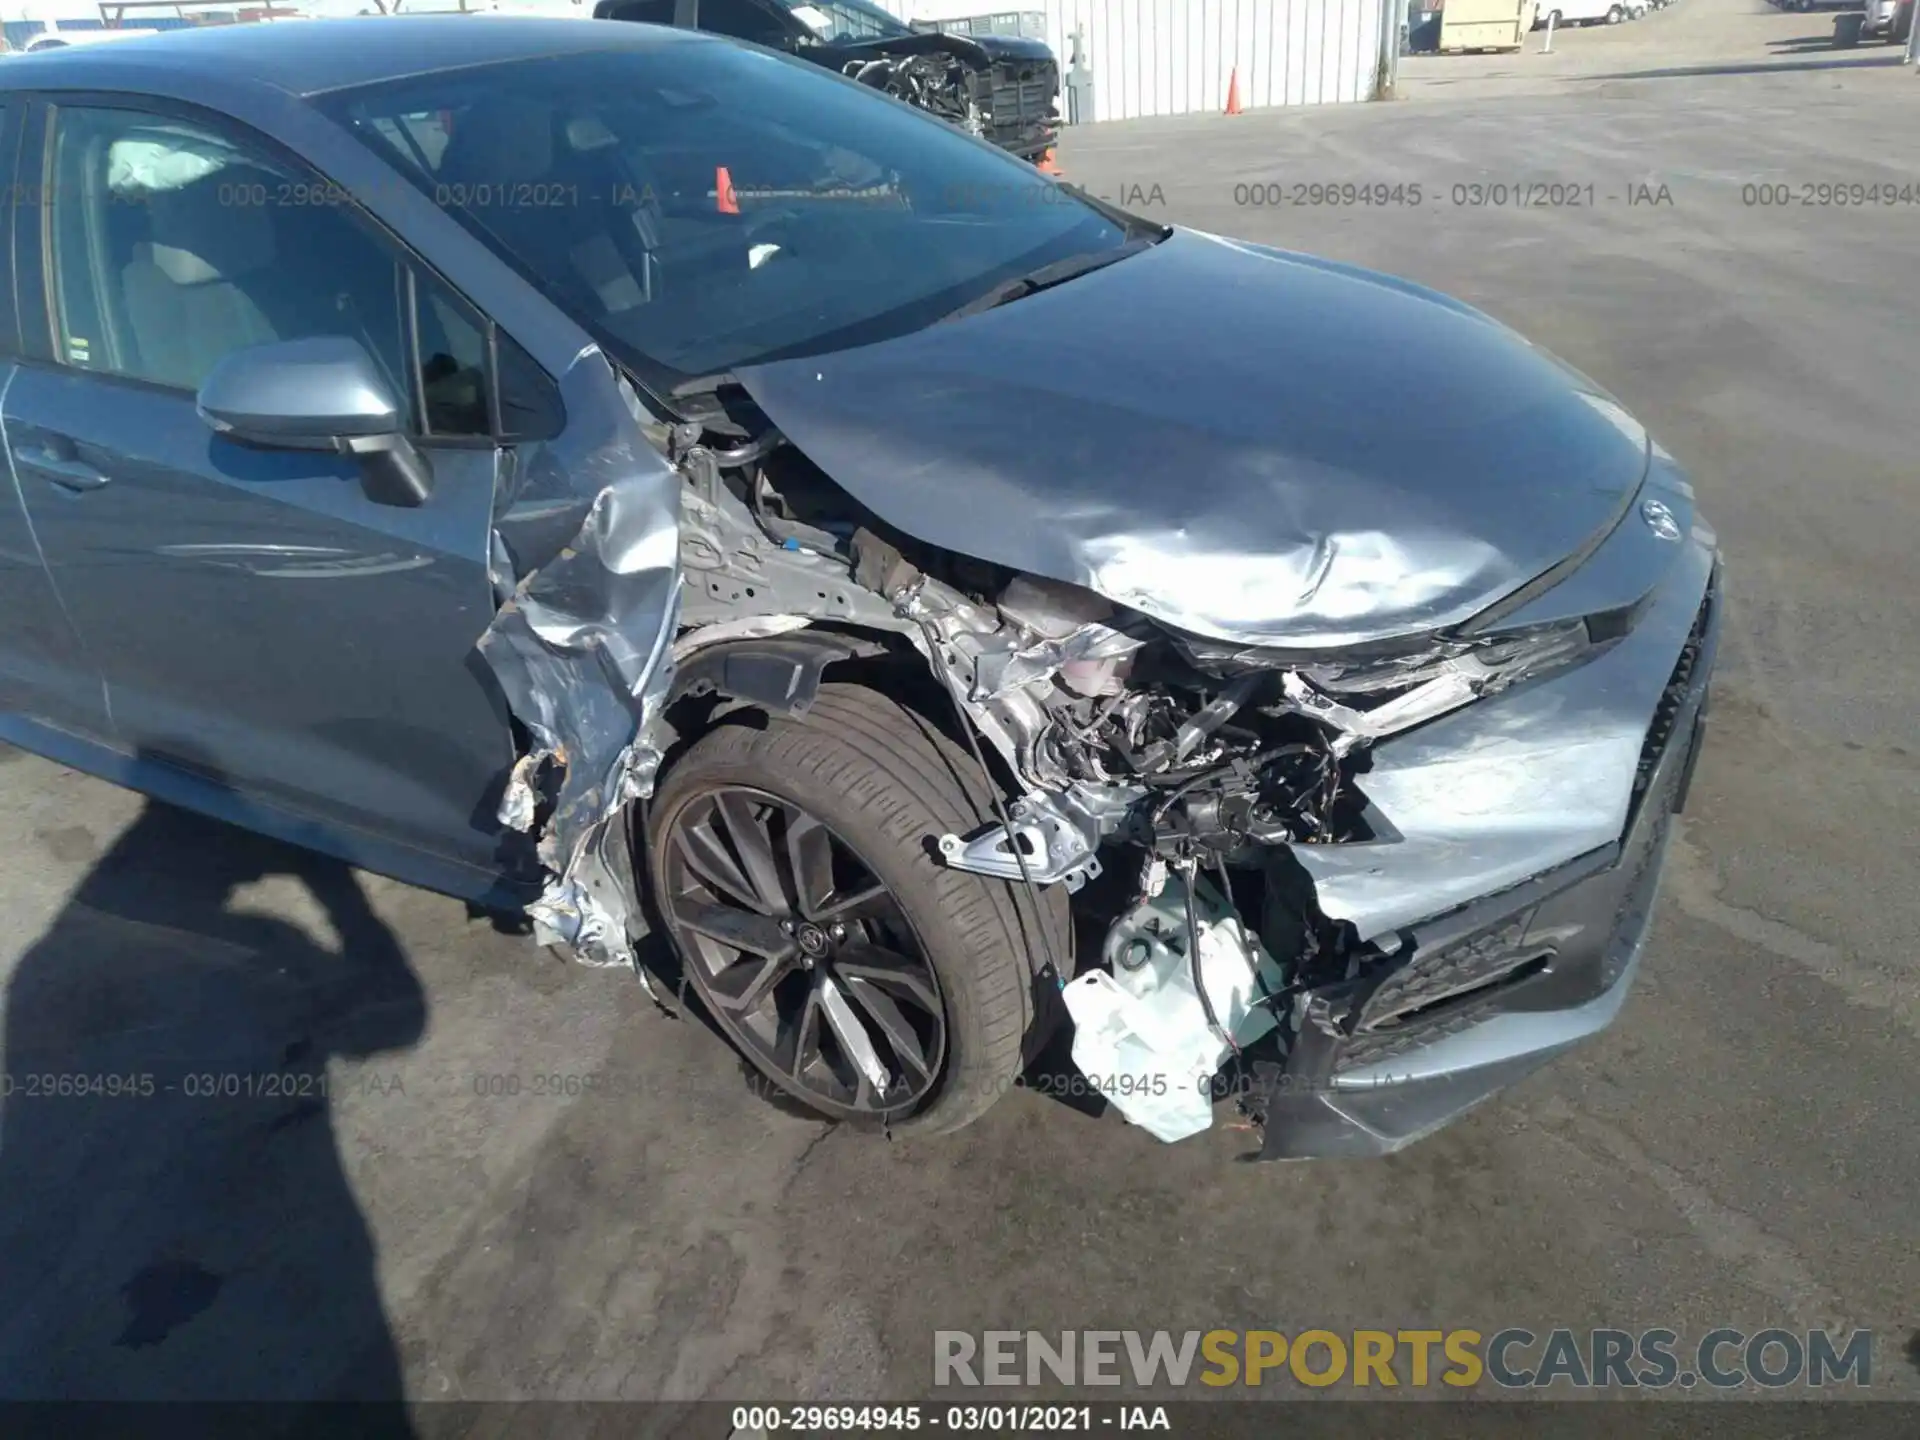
(658, 486)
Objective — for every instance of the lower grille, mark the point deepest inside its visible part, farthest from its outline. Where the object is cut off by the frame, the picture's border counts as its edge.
(1025, 100)
(1021, 101)
(1674, 698)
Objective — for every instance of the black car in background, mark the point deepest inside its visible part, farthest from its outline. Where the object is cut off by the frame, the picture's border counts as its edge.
(1004, 88)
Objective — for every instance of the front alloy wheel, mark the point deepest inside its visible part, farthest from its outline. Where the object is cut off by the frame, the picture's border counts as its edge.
(793, 865)
(802, 954)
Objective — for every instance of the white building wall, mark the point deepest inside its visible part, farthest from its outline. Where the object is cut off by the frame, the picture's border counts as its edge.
(1175, 57)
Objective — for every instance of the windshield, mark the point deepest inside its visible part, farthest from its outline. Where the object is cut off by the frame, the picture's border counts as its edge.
(699, 205)
(836, 20)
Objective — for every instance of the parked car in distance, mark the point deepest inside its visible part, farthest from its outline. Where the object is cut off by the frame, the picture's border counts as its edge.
(593, 470)
(1581, 12)
(1876, 20)
(61, 39)
(1005, 88)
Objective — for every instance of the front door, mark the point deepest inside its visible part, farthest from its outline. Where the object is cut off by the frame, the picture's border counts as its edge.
(258, 618)
(46, 675)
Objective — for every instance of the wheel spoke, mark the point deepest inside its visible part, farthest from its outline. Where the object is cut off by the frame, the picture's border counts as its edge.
(748, 834)
(707, 857)
(801, 954)
(757, 933)
(891, 1022)
(806, 1036)
(891, 972)
(771, 970)
(869, 902)
(855, 1043)
(810, 861)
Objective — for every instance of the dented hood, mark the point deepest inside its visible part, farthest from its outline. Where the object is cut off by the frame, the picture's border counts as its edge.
(1251, 445)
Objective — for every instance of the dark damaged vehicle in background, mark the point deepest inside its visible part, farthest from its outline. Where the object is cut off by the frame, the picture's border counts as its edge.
(929, 610)
(1005, 88)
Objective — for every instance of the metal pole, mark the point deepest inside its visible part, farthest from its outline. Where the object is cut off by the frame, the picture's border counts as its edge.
(1079, 80)
(1386, 70)
(1547, 48)
(1398, 10)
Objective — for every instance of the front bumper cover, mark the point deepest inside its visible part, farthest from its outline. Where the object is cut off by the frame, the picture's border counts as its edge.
(1471, 1000)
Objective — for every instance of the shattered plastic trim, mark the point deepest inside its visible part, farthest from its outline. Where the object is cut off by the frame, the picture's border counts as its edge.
(1501, 791)
(1456, 681)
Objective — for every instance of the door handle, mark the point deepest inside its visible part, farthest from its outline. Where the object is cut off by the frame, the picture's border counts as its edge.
(60, 464)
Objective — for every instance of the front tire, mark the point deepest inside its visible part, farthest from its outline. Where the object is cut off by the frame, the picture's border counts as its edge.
(795, 873)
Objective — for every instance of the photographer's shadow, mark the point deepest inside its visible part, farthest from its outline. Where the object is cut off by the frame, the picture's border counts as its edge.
(174, 1219)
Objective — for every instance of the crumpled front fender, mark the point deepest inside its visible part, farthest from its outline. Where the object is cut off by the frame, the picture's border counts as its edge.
(581, 647)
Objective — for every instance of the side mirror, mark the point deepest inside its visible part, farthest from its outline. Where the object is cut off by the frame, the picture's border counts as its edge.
(323, 393)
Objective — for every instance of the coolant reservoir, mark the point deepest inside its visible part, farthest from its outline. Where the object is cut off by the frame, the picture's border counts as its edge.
(1140, 1035)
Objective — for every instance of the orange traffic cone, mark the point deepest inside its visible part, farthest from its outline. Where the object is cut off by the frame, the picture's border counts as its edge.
(1049, 165)
(1233, 92)
(723, 197)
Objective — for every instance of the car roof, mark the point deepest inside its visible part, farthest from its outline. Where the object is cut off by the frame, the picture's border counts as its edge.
(326, 54)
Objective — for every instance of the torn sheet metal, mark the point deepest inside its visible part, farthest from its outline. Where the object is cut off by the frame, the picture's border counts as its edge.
(1084, 661)
(1068, 633)
(1500, 791)
(1238, 478)
(581, 651)
(952, 633)
(1461, 681)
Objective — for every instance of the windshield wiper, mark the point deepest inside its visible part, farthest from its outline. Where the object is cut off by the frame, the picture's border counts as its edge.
(1056, 273)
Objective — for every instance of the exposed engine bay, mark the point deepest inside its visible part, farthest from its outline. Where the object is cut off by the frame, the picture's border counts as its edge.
(937, 83)
(1117, 727)
(1199, 761)
(1003, 88)
(1011, 100)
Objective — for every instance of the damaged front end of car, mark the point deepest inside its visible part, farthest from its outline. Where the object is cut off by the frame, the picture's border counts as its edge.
(1005, 90)
(1361, 890)
(1357, 887)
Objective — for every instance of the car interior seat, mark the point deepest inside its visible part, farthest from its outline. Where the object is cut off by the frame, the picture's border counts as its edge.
(501, 162)
(192, 286)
